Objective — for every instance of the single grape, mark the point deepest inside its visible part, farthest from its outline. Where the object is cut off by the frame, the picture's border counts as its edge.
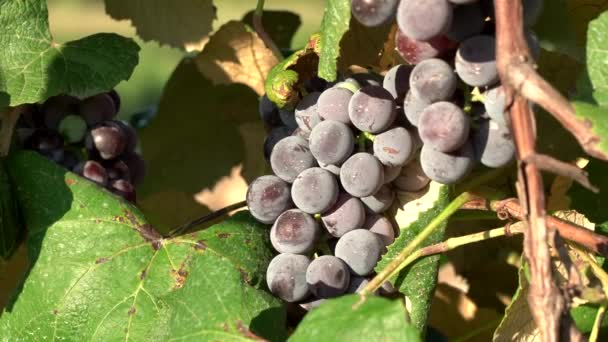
(289, 157)
(468, 21)
(276, 134)
(443, 126)
(360, 249)
(476, 61)
(314, 191)
(108, 140)
(117, 169)
(129, 132)
(372, 109)
(373, 12)
(391, 173)
(44, 140)
(433, 80)
(298, 132)
(115, 98)
(97, 109)
(295, 232)
(393, 147)
(424, 20)
(334, 169)
(93, 171)
(493, 144)
(123, 189)
(345, 215)
(413, 107)
(380, 201)
(495, 103)
(327, 276)
(286, 277)
(288, 118)
(268, 197)
(415, 51)
(307, 112)
(382, 227)
(397, 81)
(447, 168)
(361, 175)
(331, 142)
(333, 104)
(269, 112)
(72, 128)
(316, 83)
(412, 177)
(137, 167)
(356, 284)
(56, 108)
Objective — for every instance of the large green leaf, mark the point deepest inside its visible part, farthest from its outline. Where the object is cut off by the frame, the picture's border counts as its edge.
(597, 54)
(333, 26)
(33, 67)
(101, 272)
(280, 25)
(341, 319)
(175, 23)
(418, 281)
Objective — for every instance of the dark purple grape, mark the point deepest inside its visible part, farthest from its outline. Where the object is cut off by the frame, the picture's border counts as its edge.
(493, 144)
(129, 132)
(372, 109)
(476, 61)
(269, 112)
(276, 134)
(443, 126)
(345, 215)
(286, 277)
(93, 171)
(294, 231)
(495, 103)
(356, 284)
(306, 113)
(373, 12)
(327, 276)
(433, 80)
(288, 118)
(124, 189)
(413, 107)
(290, 157)
(447, 168)
(382, 227)
(424, 20)
(115, 98)
(31, 117)
(334, 169)
(361, 175)
(393, 147)
(97, 109)
(44, 140)
(380, 201)
(106, 140)
(468, 21)
(360, 249)
(70, 159)
(137, 167)
(298, 132)
(314, 190)
(391, 173)
(333, 104)
(55, 108)
(412, 177)
(268, 197)
(331, 142)
(397, 81)
(117, 169)
(415, 51)
(54, 155)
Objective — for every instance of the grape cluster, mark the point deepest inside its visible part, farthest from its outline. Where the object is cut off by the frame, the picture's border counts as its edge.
(84, 137)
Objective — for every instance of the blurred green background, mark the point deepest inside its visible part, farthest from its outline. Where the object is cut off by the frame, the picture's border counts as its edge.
(73, 19)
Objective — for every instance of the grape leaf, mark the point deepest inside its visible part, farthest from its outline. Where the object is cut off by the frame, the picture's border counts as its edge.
(590, 204)
(281, 26)
(175, 23)
(33, 67)
(194, 141)
(367, 46)
(597, 53)
(101, 272)
(418, 281)
(10, 218)
(334, 25)
(377, 319)
(235, 54)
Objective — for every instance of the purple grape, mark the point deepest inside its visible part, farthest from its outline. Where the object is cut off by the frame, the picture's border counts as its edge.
(306, 113)
(129, 132)
(393, 147)
(56, 108)
(373, 12)
(360, 249)
(447, 168)
(382, 227)
(361, 175)
(334, 169)
(412, 177)
(295, 232)
(493, 144)
(108, 140)
(276, 134)
(117, 169)
(314, 190)
(268, 197)
(415, 51)
(298, 132)
(290, 157)
(468, 21)
(397, 81)
(372, 109)
(136, 165)
(345, 215)
(97, 109)
(331, 142)
(286, 277)
(495, 103)
(476, 61)
(433, 80)
(333, 104)
(413, 107)
(424, 20)
(115, 98)
(380, 201)
(124, 189)
(269, 112)
(391, 173)
(327, 276)
(93, 171)
(357, 284)
(288, 118)
(44, 140)
(443, 126)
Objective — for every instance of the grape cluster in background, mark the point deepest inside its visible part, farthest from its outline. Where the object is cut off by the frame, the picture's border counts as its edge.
(84, 137)
(344, 151)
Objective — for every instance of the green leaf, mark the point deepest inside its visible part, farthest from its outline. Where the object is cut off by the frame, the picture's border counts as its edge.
(202, 132)
(101, 272)
(584, 201)
(377, 319)
(10, 218)
(281, 26)
(417, 282)
(365, 46)
(597, 53)
(175, 23)
(555, 29)
(33, 67)
(333, 26)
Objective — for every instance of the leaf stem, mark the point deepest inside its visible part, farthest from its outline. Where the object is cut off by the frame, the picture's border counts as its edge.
(403, 256)
(185, 228)
(259, 29)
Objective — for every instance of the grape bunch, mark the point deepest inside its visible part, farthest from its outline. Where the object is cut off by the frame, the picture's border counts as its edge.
(84, 137)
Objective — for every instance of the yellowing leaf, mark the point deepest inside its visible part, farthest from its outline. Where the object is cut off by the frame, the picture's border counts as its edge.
(412, 204)
(235, 54)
